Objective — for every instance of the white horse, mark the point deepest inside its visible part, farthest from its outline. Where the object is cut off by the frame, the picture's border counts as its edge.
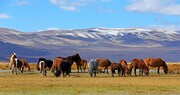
(17, 66)
(93, 65)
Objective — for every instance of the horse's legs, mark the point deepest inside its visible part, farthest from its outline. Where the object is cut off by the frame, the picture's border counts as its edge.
(107, 70)
(12, 69)
(81, 69)
(158, 70)
(84, 67)
(77, 68)
(94, 73)
(113, 71)
(140, 72)
(22, 69)
(135, 71)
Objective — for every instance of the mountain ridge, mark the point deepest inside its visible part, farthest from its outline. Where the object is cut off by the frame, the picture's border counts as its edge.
(105, 39)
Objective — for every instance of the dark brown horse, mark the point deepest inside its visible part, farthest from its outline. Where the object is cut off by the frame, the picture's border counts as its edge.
(61, 64)
(156, 62)
(139, 64)
(103, 63)
(118, 67)
(124, 66)
(83, 64)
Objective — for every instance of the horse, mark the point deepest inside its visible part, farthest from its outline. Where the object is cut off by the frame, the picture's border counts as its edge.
(103, 63)
(17, 65)
(55, 69)
(139, 64)
(92, 67)
(156, 62)
(25, 64)
(61, 64)
(116, 66)
(11, 60)
(124, 66)
(42, 67)
(83, 64)
(47, 62)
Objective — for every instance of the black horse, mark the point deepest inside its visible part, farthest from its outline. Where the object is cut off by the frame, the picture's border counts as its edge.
(48, 63)
(61, 64)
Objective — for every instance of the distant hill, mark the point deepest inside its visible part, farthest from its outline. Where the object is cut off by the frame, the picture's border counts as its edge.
(111, 43)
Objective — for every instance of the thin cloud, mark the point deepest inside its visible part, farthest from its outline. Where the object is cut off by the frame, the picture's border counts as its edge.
(21, 3)
(69, 5)
(169, 7)
(4, 16)
(105, 10)
(73, 5)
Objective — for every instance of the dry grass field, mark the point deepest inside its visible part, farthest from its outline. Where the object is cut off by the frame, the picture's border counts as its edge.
(32, 83)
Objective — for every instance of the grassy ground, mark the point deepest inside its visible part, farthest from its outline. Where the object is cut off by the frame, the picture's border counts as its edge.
(32, 83)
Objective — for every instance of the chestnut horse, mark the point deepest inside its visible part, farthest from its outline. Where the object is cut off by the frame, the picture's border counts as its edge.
(116, 66)
(63, 65)
(139, 64)
(56, 66)
(125, 70)
(156, 62)
(25, 64)
(103, 63)
(92, 67)
(83, 64)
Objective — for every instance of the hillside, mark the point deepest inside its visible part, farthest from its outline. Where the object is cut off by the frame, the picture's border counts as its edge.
(112, 43)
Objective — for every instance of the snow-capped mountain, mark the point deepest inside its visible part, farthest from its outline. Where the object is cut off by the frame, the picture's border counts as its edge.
(91, 39)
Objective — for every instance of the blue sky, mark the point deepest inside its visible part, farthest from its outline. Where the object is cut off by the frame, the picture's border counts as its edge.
(34, 15)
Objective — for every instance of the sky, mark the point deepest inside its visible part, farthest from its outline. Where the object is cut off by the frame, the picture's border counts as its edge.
(35, 15)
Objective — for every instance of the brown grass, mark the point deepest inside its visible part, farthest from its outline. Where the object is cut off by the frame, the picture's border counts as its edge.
(174, 67)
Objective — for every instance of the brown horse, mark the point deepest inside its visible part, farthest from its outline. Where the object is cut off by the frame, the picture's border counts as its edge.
(103, 63)
(25, 64)
(116, 66)
(56, 66)
(124, 66)
(156, 62)
(83, 64)
(139, 64)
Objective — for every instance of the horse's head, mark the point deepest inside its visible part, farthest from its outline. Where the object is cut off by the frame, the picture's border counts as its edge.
(165, 67)
(127, 71)
(76, 58)
(57, 72)
(109, 62)
(146, 72)
(29, 68)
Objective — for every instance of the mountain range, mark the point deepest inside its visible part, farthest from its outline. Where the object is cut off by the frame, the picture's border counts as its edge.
(111, 43)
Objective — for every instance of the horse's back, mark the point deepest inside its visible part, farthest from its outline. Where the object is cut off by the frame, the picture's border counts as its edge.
(92, 64)
(154, 62)
(123, 63)
(103, 62)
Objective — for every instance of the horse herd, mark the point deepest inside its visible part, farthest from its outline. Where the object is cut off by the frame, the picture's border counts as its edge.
(62, 65)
